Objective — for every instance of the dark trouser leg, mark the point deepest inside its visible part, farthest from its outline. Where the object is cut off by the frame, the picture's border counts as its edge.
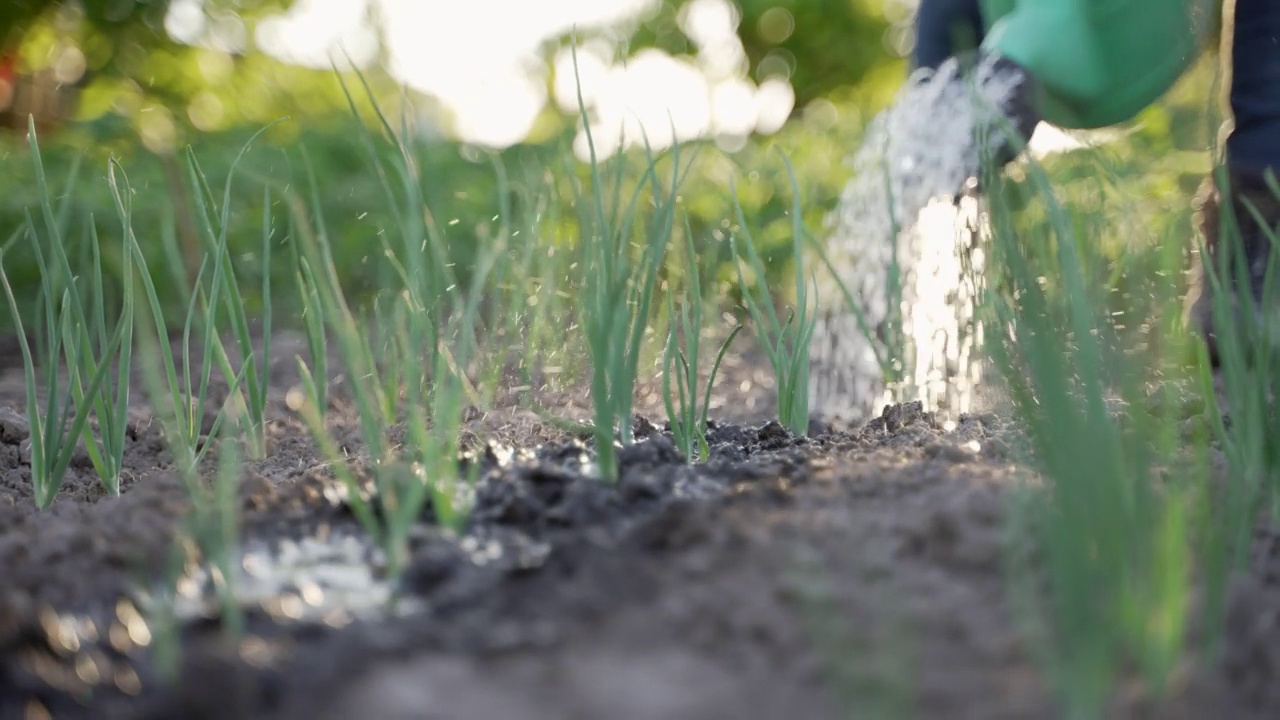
(1254, 144)
(1252, 148)
(947, 27)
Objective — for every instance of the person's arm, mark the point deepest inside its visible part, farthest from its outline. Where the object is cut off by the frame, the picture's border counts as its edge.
(945, 28)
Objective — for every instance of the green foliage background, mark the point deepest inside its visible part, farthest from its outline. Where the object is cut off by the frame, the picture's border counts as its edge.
(143, 94)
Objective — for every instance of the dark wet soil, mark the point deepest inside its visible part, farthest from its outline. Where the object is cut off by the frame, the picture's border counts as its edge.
(856, 572)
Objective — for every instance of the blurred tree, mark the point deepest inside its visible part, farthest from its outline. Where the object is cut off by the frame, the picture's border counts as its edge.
(155, 71)
(22, 15)
(823, 47)
(164, 66)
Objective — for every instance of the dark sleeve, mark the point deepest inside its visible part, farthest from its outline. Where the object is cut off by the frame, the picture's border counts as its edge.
(944, 28)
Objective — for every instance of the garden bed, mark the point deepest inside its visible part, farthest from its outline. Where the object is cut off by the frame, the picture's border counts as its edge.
(856, 572)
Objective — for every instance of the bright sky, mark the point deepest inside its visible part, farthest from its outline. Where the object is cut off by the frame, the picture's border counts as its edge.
(481, 59)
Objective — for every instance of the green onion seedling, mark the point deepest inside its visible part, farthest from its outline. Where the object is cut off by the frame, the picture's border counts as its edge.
(686, 415)
(64, 334)
(786, 343)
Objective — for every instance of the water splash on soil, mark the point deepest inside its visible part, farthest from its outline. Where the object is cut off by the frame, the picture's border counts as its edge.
(904, 243)
(331, 578)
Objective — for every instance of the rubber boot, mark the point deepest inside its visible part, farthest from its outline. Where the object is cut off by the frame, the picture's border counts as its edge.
(1246, 294)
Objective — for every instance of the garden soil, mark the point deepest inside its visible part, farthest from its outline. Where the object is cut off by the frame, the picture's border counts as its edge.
(856, 572)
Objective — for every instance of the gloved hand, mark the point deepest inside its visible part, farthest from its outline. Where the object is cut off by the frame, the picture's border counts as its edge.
(949, 35)
(1015, 94)
(999, 96)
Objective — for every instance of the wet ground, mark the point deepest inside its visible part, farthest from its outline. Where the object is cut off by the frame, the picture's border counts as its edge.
(856, 572)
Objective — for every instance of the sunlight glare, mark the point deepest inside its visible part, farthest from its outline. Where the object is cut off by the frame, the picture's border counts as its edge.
(484, 62)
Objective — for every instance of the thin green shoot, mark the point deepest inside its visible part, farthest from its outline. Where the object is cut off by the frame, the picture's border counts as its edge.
(314, 327)
(619, 287)
(888, 355)
(420, 260)
(886, 340)
(1248, 345)
(1115, 585)
(399, 488)
(255, 369)
(554, 349)
(62, 335)
(175, 261)
(432, 405)
(213, 526)
(208, 538)
(179, 401)
(436, 403)
(302, 224)
(159, 609)
(367, 394)
(686, 413)
(57, 427)
(87, 328)
(434, 410)
(111, 402)
(787, 342)
(512, 284)
(533, 296)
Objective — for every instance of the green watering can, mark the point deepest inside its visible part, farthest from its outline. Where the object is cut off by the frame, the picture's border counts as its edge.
(1099, 62)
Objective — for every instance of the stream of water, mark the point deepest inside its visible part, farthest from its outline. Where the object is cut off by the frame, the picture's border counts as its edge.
(905, 243)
